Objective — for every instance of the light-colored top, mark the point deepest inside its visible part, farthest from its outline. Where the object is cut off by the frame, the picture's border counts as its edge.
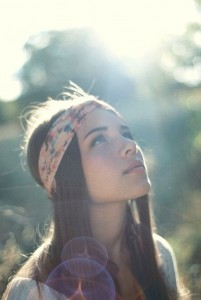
(27, 289)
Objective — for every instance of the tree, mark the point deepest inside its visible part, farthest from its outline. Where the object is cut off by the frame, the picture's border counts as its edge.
(173, 82)
(55, 58)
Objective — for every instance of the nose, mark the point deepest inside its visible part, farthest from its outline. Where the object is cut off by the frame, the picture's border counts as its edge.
(128, 147)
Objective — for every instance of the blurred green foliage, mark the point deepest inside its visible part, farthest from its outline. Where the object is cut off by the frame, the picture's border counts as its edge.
(76, 55)
(164, 112)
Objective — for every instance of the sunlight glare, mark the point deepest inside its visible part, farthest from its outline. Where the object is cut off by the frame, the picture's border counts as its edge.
(134, 29)
(127, 28)
(11, 89)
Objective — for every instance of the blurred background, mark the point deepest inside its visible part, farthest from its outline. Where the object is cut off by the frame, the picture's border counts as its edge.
(144, 57)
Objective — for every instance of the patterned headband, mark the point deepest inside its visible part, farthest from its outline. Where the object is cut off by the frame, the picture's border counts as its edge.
(59, 137)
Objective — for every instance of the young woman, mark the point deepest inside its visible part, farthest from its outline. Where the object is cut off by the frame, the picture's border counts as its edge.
(101, 244)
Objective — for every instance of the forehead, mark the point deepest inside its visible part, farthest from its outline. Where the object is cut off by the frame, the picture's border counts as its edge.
(100, 117)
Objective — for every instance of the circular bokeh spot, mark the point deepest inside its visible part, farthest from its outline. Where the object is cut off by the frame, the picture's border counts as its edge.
(85, 247)
(99, 287)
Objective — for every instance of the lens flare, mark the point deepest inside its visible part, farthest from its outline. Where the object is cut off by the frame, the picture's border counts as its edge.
(82, 275)
(85, 247)
(97, 287)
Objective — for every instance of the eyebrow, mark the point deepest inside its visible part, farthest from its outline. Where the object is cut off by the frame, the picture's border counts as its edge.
(104, 128)
(95, 130)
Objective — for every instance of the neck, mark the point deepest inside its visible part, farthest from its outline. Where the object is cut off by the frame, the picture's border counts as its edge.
(108, 223)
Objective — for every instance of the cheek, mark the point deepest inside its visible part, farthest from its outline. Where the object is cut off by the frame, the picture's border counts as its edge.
(98, 171)
(96, 167)
(100, 181)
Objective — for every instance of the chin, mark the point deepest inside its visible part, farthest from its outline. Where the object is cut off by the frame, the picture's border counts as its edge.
(143, 190)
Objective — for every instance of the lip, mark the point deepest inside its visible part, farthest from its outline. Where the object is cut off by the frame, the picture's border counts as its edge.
(135, 167)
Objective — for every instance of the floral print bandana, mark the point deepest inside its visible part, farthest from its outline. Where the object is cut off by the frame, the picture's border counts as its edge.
(59, 138)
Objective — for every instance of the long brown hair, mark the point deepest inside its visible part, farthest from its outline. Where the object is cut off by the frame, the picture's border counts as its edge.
(71, 216)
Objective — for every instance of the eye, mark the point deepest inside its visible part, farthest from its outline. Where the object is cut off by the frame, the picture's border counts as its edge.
(128, 135)
(99, 139)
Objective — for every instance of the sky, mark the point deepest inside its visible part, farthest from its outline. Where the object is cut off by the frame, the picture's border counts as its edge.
(129, 28)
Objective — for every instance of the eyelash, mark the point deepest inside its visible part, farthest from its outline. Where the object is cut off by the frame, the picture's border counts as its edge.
(128, 135)
(100, 138)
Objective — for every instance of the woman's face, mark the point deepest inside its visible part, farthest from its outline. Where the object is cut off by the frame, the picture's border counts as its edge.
(112, 162)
